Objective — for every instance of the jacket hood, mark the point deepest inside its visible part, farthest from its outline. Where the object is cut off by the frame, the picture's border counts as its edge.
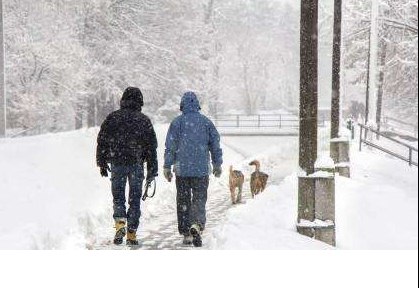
(132, 99)
(190, 103)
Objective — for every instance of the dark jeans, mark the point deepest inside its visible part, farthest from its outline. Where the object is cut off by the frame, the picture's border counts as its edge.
(135, 176)
(192, 195)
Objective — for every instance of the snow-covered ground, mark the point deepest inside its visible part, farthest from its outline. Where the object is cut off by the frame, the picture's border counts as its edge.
(52, 197)
(376, 209)
(47, 184)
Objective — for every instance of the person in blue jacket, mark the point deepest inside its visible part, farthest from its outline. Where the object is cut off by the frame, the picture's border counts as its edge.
(192, 144)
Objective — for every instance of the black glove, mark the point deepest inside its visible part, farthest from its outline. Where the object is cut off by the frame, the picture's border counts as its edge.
(218, 171)
(104, 171)
(168, 174)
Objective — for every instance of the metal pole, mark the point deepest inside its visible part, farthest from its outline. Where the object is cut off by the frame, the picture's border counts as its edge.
(2, 78)
(360, 138)
(383, 59)
(410, 157)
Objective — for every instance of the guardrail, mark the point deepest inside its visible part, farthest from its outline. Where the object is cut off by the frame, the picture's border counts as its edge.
(364, 140)
(260, 121)
(400, 127)
(26, 132)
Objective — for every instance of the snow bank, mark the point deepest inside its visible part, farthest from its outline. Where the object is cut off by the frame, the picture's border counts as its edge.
(268, 222)
(52, 196)
(48, 184)
(376, 209)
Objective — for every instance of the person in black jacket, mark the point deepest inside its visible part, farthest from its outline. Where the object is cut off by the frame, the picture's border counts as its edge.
(126, 141)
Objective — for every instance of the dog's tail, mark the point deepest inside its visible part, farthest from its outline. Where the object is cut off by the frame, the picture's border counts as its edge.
(231, 169)
(257, 164)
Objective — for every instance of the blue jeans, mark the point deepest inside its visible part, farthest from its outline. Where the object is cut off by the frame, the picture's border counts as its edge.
(192, 195)
(135, 176)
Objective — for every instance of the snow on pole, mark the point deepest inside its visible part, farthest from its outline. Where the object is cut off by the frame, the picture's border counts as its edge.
(2, 78)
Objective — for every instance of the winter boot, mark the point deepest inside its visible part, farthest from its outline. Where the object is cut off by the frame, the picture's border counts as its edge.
(121, 231)
(196, 233)
(187, 240)
(132, 238)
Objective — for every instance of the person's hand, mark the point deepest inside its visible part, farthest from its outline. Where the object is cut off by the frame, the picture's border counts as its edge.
(218, 171)
(150, 180)
(168, 174)
(104, 170)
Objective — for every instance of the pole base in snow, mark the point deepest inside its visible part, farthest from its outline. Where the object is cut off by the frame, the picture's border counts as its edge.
(340, 150)
(306, 198)
(321, 231)
(340, 153)
(316, 211)
(344, 169)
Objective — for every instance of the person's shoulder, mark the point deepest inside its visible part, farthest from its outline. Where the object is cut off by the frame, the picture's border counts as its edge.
(144, 117)
(145, 120)
(207, 120)
(113, 115)
(177, 120)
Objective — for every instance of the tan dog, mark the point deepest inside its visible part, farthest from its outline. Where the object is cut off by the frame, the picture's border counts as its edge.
(259, 180)
(236, 182)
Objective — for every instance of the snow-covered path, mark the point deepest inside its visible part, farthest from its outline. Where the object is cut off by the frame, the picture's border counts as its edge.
(52, 193)
(159, 225)
(158, 229)
(52, 197)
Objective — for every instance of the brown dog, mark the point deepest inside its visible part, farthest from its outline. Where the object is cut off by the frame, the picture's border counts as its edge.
(259, 180)
(236, 182)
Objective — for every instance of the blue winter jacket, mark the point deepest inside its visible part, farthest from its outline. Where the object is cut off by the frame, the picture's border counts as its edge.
(191, 139)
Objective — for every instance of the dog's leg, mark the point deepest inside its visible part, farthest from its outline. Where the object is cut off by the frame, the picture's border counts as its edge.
(233, 195)
(264, 186)
(240, 195)
(265, 182)
(258, 187)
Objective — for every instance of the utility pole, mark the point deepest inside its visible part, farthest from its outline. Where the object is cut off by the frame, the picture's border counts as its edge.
(367, 94)
(308, 109)
(309, 85)
(339, 148)
(337, 44)
(2, 78)
(383, 61)
(372, 64)
(316, 192)
(380, 94)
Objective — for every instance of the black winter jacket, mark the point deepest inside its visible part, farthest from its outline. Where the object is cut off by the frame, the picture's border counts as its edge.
(127, 137)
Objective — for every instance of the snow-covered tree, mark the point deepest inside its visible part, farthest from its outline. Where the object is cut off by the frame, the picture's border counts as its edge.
(397, 28)
(68, 62)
